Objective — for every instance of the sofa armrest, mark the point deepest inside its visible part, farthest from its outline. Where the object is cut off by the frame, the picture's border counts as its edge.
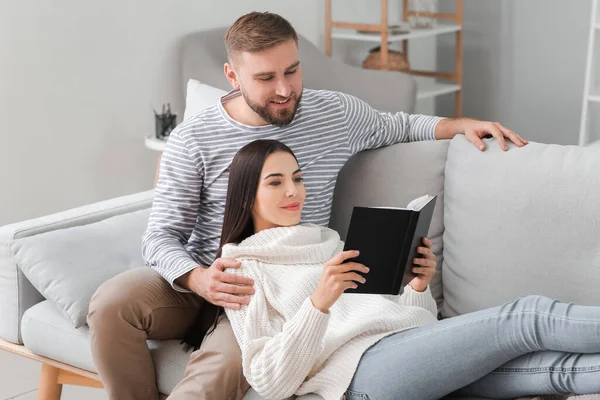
(16, 292)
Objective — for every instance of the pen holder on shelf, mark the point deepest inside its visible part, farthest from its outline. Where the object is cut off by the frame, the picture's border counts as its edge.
(165, 122)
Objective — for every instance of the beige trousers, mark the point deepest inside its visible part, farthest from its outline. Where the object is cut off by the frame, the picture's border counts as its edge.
(138, 305)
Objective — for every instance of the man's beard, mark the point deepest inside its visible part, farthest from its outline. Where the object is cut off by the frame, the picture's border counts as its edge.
(279, 117)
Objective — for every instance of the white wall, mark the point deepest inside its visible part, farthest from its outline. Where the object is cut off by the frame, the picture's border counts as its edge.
(79, 79)
(524, 65)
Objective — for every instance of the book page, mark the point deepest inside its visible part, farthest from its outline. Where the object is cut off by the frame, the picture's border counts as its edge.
(419, 202)
(415, 205)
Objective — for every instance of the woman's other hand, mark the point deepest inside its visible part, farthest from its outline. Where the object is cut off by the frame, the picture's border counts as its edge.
(425, 267)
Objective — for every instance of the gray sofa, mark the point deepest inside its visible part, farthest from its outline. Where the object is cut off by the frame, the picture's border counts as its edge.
(507, 224)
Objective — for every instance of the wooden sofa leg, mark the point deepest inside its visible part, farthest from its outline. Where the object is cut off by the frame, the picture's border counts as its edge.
(49, 388)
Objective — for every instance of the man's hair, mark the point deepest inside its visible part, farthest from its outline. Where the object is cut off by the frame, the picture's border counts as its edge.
(257, 31)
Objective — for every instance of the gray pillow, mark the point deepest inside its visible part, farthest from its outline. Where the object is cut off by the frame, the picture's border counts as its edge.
(525, 221)
(67, 265)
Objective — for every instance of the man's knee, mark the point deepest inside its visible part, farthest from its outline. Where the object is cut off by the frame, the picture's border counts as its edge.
(121, 297)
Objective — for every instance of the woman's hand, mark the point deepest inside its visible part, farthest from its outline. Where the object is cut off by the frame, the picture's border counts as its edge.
(336, 278)
(425, 267)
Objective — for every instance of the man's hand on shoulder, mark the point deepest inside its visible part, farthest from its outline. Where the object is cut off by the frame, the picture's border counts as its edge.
(475, 130)
(218, 287)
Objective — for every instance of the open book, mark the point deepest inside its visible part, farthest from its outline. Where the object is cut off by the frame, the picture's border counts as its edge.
(387, 238)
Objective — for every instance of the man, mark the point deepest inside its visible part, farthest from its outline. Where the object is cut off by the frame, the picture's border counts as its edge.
(268, 101)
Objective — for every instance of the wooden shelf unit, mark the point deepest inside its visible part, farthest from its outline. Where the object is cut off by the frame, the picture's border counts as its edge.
(426, 87)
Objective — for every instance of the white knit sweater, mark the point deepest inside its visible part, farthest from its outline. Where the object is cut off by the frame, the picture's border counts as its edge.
(288, 346)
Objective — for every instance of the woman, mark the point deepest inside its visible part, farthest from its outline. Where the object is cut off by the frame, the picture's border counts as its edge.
(300, 334)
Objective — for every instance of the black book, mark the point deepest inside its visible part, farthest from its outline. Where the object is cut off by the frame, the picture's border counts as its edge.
(387, 239)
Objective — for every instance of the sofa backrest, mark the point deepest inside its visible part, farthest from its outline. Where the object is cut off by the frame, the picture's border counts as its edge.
(393, 176)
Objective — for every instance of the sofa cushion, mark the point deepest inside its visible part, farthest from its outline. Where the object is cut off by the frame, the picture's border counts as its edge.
(525, 221)
(48, 333)
(67, 265)
(393, 176)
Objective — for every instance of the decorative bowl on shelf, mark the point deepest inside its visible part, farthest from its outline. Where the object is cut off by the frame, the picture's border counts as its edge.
(396, 60)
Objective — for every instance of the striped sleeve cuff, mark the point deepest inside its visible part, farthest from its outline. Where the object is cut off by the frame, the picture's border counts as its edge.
(177, 268)
(423, 127)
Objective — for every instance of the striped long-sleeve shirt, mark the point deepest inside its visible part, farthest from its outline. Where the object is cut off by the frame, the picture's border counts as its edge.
(185, 223)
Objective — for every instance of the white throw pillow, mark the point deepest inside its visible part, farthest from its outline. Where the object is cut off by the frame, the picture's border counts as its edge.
(200, 96)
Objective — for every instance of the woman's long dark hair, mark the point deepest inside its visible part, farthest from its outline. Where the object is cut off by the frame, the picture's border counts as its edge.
(244, 177)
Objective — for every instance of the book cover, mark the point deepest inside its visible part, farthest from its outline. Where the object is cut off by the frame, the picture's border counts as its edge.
(387, 239)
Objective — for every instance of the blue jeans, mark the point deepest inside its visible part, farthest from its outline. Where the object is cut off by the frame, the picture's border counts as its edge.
(534, 345)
